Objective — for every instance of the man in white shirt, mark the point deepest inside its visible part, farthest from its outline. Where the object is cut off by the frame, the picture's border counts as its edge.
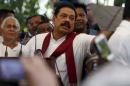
(10, 47)
(64, 41)
(120, 41)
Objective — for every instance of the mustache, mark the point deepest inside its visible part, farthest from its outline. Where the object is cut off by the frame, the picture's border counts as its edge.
(66, 23)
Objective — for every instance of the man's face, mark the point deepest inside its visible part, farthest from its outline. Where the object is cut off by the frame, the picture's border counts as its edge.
(64, 21)
(90, 13)
(33, 23)
(81, 20)
(1, 19)
(10, 30)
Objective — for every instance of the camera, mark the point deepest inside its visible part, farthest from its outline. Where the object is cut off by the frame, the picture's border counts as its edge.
(11, 69)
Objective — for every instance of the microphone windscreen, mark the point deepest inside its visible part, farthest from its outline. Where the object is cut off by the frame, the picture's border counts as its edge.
(38, 52)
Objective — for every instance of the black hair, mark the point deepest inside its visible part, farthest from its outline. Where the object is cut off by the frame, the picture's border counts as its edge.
(126, 14)
(3, 12)
(44, 18)
(61, 4)
(80, 5)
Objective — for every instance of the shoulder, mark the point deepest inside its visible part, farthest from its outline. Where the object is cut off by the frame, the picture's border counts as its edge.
(83, 36)
(42, 35)
(38, 37)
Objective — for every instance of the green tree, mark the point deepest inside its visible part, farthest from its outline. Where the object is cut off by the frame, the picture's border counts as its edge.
(22, 8)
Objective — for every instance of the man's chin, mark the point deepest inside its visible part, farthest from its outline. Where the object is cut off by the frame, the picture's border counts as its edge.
(79, 27)
(65, 31)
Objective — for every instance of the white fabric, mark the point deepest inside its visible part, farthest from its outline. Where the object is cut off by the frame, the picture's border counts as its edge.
(120, 43)
(109, 75)
(81, 46)
(13, 52)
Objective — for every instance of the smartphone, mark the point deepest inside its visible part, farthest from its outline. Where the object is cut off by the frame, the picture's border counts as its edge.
(102, 47)
(11, 69)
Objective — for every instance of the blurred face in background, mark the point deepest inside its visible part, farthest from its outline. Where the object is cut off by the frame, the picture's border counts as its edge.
(81, 20)
(90, 13)
(33, 23)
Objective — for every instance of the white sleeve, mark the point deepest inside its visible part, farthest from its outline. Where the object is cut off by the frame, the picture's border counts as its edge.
(122, 54)
(82, 42)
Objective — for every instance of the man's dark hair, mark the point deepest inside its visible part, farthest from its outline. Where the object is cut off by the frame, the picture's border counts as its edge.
(80, 5)
(126, 14)
(3, 12)
(61, 4)
(44, 18)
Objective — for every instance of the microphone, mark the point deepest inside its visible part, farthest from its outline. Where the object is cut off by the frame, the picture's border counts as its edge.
(38, 52)
(36, 39)
(20, 52)
(36, 31)
(6, 52)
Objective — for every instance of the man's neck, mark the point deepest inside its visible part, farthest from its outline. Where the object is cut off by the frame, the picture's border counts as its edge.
(57, 35)
(11, 43)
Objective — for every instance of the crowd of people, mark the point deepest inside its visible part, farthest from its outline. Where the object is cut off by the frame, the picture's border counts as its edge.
(63, 53)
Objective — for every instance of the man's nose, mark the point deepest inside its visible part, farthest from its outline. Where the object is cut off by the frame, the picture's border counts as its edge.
(67, 19)
(34, 25)
(78, 18)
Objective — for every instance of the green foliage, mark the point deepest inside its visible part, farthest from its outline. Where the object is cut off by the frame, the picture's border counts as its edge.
(22, 8)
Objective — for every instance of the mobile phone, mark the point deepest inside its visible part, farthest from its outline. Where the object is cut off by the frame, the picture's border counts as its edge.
(102, 47)
(11, 69)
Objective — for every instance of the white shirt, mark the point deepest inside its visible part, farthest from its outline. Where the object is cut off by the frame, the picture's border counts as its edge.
(13, 52)
(81, 47)
(120, 43)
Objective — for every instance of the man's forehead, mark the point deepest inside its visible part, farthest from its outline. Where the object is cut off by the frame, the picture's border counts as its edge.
(36, 17)
(67, 10)
(10, 21)
(80, 8)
